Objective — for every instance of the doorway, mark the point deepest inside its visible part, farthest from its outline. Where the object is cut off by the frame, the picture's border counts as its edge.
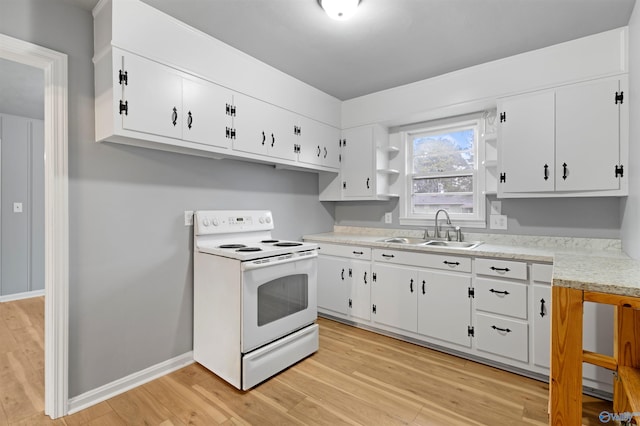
(56, 224)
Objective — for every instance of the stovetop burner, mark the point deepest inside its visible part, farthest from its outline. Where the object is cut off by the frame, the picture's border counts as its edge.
(232, 246)
(287, 244)
(269, 241)
(244, 249)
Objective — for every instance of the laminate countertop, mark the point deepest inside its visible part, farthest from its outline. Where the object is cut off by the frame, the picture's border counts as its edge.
(597, 265)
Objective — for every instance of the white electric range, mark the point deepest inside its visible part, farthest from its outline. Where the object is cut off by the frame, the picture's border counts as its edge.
(254, 297)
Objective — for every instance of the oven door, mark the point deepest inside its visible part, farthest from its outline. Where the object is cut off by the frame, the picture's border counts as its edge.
(279, 297)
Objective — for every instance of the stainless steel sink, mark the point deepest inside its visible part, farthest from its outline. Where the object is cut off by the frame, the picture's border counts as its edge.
(403, 240)
(452, 244)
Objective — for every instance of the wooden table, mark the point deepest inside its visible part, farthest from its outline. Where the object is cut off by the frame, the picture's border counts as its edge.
(567, 355)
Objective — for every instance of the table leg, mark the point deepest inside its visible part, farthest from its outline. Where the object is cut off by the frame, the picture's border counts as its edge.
(565, 387)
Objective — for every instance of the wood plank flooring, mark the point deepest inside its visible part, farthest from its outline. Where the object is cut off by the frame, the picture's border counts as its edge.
(356, 378)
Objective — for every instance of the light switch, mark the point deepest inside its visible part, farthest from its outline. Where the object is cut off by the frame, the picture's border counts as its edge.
(498, 221)
(17, 207)
(496, 207)
(388, 217)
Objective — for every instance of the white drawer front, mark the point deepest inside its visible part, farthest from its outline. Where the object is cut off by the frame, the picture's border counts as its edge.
(501, 297)
(501, 268)
(542, 273)
(353, 252)
(504, 337)
(423, 260)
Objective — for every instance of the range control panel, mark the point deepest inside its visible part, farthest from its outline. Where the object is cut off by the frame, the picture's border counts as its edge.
(231, 221)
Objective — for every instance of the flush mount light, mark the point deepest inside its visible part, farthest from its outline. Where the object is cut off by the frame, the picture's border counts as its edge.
(339, 9)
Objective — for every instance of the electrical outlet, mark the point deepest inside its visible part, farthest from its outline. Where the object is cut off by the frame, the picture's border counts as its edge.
(188, 217)
(498, 221)
(388, 217)
(17, 207)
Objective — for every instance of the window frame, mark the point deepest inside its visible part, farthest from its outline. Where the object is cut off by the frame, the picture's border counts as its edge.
(478, 218)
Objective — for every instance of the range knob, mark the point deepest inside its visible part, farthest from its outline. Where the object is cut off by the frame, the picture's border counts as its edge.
(215, 221)
(268, 219)
(261, 220)
(206, 222)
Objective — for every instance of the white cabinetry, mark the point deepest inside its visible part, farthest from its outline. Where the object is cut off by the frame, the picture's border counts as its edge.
(501, 310)
(597, 330)
(344, 281)
(158, 100)
(423, 293)
(317, 143)
(364, 167)
(163, 96)
(569, 141)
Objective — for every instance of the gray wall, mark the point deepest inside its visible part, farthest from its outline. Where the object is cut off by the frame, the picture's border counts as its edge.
(22, 181)
(566, 217)
(631, 205)
(130, 253)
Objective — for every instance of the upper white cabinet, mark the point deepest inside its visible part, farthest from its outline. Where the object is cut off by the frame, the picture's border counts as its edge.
(570, 141)
(166, 97)
(154, 99)
(364, 167)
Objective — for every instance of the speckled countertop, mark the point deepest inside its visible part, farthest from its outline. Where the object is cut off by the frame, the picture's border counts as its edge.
(582, 263)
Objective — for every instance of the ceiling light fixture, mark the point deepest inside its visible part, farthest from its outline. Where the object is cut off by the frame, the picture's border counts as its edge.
(339, 9)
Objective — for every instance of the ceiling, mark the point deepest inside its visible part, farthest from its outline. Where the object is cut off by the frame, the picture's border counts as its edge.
(390, 42)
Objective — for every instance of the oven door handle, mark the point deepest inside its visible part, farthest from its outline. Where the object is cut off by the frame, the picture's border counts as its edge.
(278, 260)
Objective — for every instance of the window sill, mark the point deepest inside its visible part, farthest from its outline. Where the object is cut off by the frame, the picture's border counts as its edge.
(469, 223)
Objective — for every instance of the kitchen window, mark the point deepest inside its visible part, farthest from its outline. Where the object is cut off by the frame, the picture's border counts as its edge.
(442, 165)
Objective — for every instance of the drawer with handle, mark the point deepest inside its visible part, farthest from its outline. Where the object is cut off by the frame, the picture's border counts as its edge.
(423, 260)
(504, 337)
(354, 252)
(501, 268)
(501, 297)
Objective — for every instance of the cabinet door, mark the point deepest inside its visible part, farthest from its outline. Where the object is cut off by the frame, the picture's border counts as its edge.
(358, 162)
(360, 295)
(281, 139)
(444, 307)
(333, 284)
(541, 325)
(251, 123)
(394, 294)
(205, 119)
(526, 143)
(154, 98)
(319, 143)
(587, 137)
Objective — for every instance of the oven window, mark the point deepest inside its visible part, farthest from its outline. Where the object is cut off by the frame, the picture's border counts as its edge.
(282, 297)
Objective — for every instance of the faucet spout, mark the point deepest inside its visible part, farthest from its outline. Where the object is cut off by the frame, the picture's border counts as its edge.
(437, 229)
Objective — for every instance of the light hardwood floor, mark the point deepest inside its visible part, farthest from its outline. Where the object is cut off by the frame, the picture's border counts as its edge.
(356, 377)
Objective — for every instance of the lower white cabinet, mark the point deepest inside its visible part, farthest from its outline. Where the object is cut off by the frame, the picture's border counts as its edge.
(344, 281)
(395, 297)
(489, 309)
(444, 307)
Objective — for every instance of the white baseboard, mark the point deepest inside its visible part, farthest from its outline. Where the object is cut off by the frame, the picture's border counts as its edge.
(119, 386)
(20, 296)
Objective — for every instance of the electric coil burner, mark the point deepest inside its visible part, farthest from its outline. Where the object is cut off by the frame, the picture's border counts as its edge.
(254, 297)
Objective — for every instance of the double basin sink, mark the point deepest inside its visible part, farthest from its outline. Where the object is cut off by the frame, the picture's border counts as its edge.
(467, 245)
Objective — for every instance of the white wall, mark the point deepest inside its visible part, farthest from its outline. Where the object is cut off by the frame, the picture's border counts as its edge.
(630, 206)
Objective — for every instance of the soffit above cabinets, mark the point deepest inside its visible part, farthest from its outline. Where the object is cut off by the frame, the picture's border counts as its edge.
(390, 43)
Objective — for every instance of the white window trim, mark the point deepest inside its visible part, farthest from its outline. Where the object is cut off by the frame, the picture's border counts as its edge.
(478, 220)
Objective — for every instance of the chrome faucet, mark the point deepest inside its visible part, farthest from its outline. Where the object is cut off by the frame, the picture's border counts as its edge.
(437, 229)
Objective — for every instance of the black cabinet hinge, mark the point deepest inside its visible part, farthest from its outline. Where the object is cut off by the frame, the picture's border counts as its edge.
(374, 277)
(339, 158)
(374, 309)
(619, 171)
(472, 292)
(297, 130)
(350, 272)
(296, 148)
(230, 133)
(470, 331)
(350, 303)
(619, 97)
(503, 117)
(344, 142)
(124, 107)
(344, 185)
(503, 177)
(123, 77)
